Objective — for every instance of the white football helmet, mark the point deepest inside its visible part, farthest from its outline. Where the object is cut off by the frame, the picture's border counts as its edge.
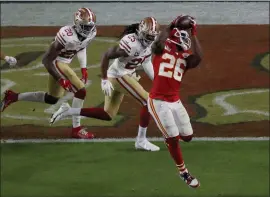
(148, 30)
(85, 22)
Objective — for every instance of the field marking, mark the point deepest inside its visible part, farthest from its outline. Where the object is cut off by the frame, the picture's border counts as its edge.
(37, 66)
(6, 84)
(232, 109)
(153, 139)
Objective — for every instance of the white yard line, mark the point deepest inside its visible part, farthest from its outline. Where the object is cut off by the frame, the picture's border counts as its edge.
(39, 65)
(6, 84)
(153, 139)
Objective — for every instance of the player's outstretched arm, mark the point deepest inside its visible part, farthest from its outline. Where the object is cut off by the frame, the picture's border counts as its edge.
(194, 59)
(112, 53)
(159, 44)
(50, 56)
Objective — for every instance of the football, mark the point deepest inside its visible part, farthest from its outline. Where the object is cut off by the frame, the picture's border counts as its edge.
(183, 23)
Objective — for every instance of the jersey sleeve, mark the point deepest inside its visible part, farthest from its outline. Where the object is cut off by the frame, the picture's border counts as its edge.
(64, 36)
(127, 43)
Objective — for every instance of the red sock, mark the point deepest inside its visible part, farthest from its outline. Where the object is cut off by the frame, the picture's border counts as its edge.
(97, 113)
(144, 117)
(176, 153)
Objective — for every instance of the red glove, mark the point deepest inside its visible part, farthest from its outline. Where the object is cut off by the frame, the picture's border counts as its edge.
(66, 84)
(194, 26)
(84, 75)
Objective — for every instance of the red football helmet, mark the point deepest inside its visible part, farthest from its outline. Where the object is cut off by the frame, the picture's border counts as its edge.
(180, 38)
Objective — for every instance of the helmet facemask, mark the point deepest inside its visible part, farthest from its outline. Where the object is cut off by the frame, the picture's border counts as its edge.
(146, 39)
(145, 33)
(85, 30)
(181, 39)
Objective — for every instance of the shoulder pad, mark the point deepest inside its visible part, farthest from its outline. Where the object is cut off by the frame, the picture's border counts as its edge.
(129, 43)
(65, 35)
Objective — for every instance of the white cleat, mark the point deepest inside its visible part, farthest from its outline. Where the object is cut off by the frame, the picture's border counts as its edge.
(60, 113)
(144, 144)
(189, 180)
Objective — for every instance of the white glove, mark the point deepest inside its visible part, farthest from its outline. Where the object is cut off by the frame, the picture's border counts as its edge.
(106, 87)
(11, 60)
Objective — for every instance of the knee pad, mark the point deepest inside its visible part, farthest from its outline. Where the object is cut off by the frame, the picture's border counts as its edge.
(187, 138)
(49, 99)
(81, 94)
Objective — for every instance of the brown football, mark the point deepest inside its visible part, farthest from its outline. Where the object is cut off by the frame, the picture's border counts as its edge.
(183, 23)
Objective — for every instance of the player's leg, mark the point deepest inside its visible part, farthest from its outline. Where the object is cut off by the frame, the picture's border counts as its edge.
(110, 109)
(182, 120)
(132, 87)
(78, 100)
(162, 113)
(40, 96)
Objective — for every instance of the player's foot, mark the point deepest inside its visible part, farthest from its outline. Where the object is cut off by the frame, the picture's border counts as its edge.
(189, 180)
(81, 133)
(60, 113)
(144, 144)
(10, 97)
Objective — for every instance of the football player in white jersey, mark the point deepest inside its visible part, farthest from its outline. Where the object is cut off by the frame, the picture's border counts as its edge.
(70, 40)
(8, 59)
(119, 79)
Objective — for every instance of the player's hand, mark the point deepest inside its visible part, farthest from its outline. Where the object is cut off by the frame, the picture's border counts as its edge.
(84, 75)
(194, 26)
(11, 60)
(136, 76)
(66, 84)
(106, 87)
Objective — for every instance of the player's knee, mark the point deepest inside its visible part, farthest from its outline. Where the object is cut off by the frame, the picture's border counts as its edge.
(81, 94)
(111, 114)
(187, 138)
(49, 99)
(172, 140)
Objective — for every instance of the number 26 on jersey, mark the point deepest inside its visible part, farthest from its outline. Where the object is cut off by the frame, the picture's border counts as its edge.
(173, 69)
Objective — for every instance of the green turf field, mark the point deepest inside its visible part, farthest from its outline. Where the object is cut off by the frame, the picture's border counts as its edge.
(225, 169)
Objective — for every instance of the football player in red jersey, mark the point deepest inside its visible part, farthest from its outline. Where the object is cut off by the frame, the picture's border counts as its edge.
(172, 57)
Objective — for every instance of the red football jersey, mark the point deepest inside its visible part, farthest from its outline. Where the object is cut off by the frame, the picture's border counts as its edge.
(169, 68)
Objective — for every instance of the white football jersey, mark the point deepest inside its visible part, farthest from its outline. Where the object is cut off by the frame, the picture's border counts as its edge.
(68, 37)
(138, 55)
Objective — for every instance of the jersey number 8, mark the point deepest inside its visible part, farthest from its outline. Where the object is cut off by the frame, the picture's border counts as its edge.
(173, 68)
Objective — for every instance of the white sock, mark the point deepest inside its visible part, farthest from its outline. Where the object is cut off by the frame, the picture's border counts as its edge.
(32, 96)
(142, 132)
(76, 120)
(74, 111)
